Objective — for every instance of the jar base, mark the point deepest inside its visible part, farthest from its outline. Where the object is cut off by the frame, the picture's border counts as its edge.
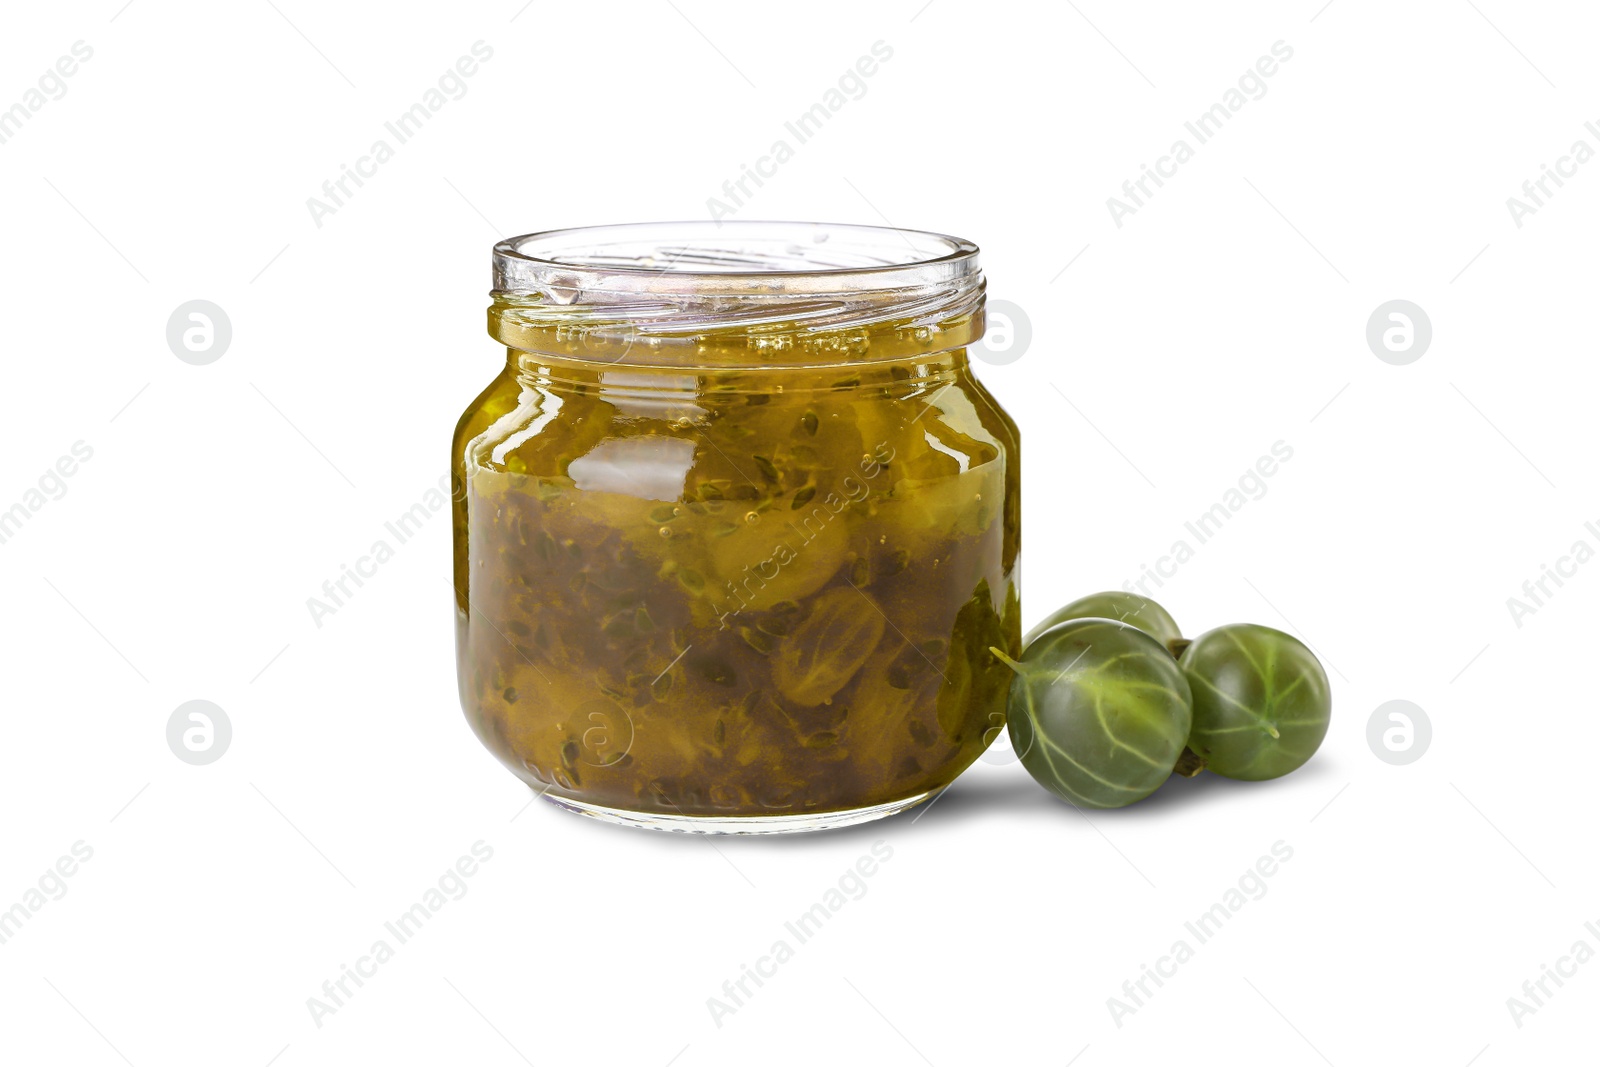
(735, 825)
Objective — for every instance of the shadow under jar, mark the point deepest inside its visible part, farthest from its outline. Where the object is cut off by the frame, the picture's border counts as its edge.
(736, 526)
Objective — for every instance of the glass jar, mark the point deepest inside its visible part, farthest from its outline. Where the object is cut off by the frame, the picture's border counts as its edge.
(736, 527)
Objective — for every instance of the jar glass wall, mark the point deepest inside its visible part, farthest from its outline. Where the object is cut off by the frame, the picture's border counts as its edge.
(736, 526)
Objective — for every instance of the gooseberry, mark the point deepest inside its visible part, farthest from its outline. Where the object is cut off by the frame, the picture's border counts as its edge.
(1098, 712)
(1261, 701)
(1131, 608)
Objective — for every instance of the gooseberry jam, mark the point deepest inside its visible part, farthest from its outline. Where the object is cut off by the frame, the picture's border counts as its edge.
(736, 525)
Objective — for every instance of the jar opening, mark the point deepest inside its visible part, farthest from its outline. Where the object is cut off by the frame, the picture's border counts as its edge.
(699, 292)
(680, 254)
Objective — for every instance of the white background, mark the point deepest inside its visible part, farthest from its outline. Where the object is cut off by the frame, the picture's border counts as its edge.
(1227, 314)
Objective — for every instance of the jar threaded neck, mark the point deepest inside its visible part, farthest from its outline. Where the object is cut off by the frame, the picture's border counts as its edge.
(736, 294)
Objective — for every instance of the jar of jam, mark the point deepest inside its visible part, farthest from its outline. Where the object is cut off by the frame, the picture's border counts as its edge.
(736, 526)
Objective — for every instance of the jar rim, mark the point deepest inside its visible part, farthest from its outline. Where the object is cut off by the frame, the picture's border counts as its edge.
(686, 294)
(736, 258)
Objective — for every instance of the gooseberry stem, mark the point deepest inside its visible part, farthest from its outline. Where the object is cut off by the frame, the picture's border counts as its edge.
(1007, 660)
(1189, 764)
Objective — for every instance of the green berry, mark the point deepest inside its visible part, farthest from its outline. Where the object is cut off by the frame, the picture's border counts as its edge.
(1098, 712)
(1137, 611)
(1261, 701)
